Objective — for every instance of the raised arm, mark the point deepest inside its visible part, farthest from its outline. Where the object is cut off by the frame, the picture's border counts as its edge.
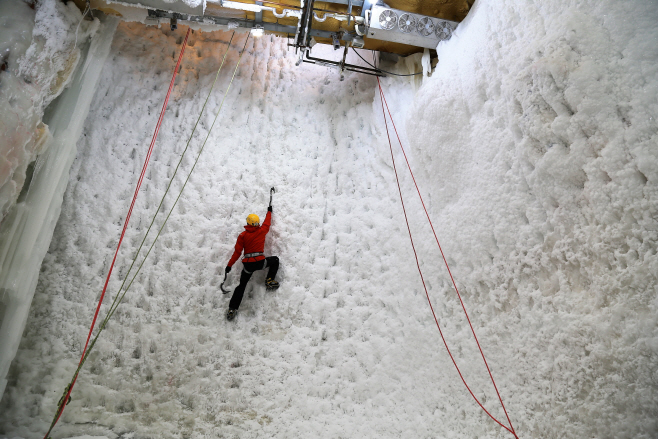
(268, 220)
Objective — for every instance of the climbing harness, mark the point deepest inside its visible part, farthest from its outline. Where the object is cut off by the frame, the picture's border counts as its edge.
(384, 103)
(119, 297)
(253, 255)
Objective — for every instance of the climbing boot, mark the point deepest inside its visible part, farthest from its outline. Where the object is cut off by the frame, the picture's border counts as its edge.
(271, 284)
(231, 313)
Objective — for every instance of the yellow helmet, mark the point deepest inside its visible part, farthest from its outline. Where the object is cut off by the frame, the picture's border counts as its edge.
(253, 220)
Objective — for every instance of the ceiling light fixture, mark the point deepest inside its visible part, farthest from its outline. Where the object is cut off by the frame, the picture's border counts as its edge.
(243, 6)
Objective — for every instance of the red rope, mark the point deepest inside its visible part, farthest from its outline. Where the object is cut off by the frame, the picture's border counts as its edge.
(125, 225)
(511, 427)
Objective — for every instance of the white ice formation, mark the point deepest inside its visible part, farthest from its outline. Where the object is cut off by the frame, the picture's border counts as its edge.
(27, 228)
(535, 144)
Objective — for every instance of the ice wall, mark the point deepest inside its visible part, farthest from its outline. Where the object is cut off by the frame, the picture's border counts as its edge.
(26, 231)
(534, 144)
(537, 138)
(19, 146)
(328, 354)
(38, 54)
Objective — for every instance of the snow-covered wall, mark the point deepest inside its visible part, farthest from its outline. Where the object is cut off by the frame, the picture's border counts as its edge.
(39, 50)
(325, 355)
(27, 229)
(538, 141)
(534, 143)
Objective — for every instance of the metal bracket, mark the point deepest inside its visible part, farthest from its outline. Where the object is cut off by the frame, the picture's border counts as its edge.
(349, 11)
(335, 40)
(259, 14)
(302, 36)
(342, 65)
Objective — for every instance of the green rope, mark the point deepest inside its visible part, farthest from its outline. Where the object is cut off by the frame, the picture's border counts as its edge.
(119, 297)
(171, 180)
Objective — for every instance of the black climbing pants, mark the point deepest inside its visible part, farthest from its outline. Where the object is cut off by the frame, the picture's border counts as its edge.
(247, 270)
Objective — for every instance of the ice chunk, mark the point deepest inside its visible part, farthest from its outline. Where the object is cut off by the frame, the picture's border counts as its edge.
(26, 232)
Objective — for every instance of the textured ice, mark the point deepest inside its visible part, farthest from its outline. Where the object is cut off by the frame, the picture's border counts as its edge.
(39, 53)
(320, 151)
(534, 143)
(27, 229)
(538, 136)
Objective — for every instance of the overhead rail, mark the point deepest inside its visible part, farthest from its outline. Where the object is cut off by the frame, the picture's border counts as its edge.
(357, 3)
(303, 37)
(342, 65)
(234, 23)
(361, 24)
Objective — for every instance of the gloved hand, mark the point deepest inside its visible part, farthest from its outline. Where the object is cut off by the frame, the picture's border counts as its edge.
(227, 270)
(269, 209)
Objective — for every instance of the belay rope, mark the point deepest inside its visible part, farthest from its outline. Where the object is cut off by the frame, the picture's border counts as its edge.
(184, 184)
(171, 180)
(384, 103)
(66, 398)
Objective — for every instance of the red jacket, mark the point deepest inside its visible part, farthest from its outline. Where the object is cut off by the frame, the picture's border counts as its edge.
(252, 240)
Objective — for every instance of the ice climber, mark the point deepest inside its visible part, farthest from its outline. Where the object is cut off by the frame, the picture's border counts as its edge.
(252, 241)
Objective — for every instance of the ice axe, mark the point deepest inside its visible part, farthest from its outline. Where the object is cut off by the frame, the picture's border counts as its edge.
(221, 287)
(272, 190)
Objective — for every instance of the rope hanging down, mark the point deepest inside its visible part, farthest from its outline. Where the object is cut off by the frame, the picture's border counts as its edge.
(118, 299)
(171, 180)
(67, 394)
(511, 427)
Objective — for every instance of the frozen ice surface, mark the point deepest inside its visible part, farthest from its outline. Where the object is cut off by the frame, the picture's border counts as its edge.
(38, 53)
(27, 230)
(534, 143)
(16, 151)
(538, 137)
(250, 378)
